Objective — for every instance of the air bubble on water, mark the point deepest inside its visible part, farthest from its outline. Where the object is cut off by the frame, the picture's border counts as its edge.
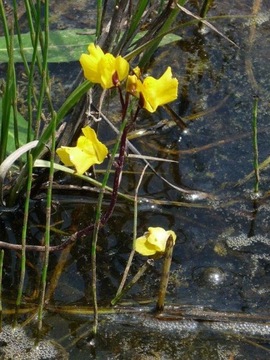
(211, 277)
(255, 261)
(254, 195)
(243, 328)
(241, 241)
(195, 196)
(186, 131)
(259, 19)
(146, 205)
(19, 346)
(185, 326)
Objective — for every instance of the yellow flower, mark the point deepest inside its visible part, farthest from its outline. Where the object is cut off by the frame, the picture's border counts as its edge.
(88, 151)
(154, 92)
(153, 241)
(103, 69)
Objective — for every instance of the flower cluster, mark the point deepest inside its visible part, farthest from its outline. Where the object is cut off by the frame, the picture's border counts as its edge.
(109, 71)
(153, 241)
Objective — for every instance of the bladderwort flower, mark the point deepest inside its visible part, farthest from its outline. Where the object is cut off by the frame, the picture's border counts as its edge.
(104, 69)
(87, 152)
(154, 92)
(153, 241)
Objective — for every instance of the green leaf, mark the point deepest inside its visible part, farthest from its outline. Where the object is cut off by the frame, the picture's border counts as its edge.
(22, 129)
(64, 46)
(167, 39)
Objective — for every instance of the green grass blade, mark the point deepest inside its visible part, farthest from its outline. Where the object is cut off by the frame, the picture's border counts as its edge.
(19, 39)
(168, 16)
(24, 230)
(74, 97)
(136, 18)
(99, 18)
(7, 97)
(48, 224)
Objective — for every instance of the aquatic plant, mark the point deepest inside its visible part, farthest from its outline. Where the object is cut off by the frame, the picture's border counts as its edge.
(90, 129)
(108, 66)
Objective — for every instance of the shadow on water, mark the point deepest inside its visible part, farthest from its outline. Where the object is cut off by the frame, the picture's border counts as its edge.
(221, 261)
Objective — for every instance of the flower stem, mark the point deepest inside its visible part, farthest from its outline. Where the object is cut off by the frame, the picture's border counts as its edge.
(134, 280)
(131, 255)
(101, 220)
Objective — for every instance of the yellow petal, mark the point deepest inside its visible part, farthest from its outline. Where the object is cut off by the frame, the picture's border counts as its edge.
(167, 87)
(103, 69)
(95, 147)
(157, 237)
(133, 85)
(172, 234)
(81, 160)
(89, 63)
(143, 247)
(137, 71)
(153, 241)
(90, 68)
(88, 151)
(73, 156)
(122, 68)
(160, 91)
(63, 153)
(106, 68)
(95, 51)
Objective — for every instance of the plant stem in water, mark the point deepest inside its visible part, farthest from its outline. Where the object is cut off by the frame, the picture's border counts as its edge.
(165, 274)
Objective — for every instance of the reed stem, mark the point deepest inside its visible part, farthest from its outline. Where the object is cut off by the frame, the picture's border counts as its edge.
(24, 230)
(165, 274)
(50, 180)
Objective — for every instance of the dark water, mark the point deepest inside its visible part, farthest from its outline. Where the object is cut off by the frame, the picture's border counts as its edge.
(221, 258)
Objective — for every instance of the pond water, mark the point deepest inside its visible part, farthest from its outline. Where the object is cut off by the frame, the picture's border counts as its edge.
(221, 260)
